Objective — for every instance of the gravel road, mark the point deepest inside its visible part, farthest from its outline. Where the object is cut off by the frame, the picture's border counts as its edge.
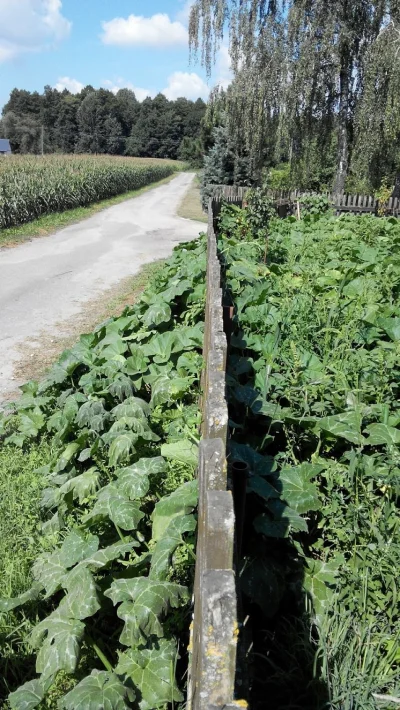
(48, 280)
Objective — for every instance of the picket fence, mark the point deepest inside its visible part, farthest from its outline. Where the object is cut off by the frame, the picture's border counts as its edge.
(286, 202)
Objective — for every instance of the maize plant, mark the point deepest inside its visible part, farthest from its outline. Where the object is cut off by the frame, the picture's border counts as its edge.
(31, 186)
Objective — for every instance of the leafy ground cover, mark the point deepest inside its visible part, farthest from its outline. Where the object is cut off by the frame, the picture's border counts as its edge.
(313, 385)
(107, 608)
(31, 187)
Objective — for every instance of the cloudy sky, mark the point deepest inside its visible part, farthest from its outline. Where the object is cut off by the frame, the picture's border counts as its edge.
(140, 44)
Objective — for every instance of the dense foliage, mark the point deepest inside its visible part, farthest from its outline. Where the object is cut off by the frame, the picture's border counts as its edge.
(316, 84)
(112, 584)
(98, 121)
(31, 186)
(313, 382)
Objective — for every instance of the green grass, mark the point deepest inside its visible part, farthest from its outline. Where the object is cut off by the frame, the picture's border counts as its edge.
(50, 223)
(20, 491)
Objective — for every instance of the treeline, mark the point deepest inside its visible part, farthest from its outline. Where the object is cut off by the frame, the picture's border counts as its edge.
(316, 88)
(98, 121)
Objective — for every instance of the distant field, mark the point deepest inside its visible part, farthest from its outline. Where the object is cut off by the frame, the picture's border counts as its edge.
(32, 186)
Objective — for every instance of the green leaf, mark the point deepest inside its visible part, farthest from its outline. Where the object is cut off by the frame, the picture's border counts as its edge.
(28, 696)
(108, 554)
(319, 580)
(166, 546)
(58, 638)
(166, 389)
(67, 455)
(121, 448)
(346, 425)
(152, 670)
(31, 423)
(258, 464)
(158, 313)
(184, 451)
(76, 547)
(133, 481)
(49, 571)
(297, 489)
(132, 407)
(259, 485)
(382, 434)
(391, 326)
(264, 525)
(181, 502)
(30, 595)
(99, 691)
(113, 504)
(81, 600)
(83, 486)
(142, 602)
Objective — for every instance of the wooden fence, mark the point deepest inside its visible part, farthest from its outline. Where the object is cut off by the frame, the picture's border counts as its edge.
(214, 629)
(286, 202)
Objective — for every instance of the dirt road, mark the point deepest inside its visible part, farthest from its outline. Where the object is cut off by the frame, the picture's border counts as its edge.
(47, 281)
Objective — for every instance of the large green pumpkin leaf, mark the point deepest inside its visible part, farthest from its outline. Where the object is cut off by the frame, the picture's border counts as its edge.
(183, 451)
(76, 547)
(142, 602)
(58, 638)
(83, 486)
(133, 481)
(103, 557)
(346, 425)
(31, 594)
(165, 389)
(159, 312)
(382, 434)
(122, 447)
(152, 672)
(29, 695)
(296, 488)
(101, 690)
(166, 546)
(81, 600)
(319, 581)
(132, 407)
(112, 503)
(49, 571)
(181, 502)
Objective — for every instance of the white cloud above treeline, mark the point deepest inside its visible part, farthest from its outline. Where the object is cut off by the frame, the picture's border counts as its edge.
(138, 31)
(72, 85)
(189, 85)
(30, 26)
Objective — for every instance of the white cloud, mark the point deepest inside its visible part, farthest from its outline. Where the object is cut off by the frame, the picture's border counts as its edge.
(72, 85)
(118, 84)
(184, 14)
(186, 84)
(30, 26)
(135, 31)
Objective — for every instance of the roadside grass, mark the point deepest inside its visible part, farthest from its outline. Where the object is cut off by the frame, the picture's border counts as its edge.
(20, 492)
(190, 207)
(50, 223)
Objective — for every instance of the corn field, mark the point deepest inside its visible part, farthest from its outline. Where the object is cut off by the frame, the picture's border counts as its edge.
(35, 186)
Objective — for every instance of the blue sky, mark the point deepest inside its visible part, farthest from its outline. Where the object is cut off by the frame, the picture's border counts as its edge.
(112, 43)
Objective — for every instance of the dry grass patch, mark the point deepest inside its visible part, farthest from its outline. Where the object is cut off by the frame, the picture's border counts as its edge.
(190, 207)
